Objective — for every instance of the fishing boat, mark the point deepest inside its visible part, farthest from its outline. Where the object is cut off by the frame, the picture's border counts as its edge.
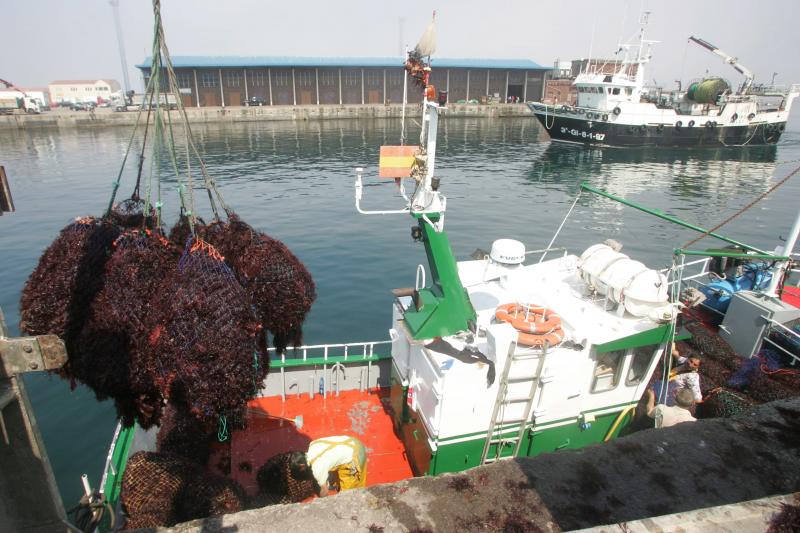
(614, 108)
(512, 353)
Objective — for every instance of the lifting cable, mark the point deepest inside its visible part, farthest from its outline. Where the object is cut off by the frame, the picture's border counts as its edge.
(745, 208)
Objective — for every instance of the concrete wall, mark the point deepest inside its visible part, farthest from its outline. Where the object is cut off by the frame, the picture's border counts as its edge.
(655, 472)
(106, 117)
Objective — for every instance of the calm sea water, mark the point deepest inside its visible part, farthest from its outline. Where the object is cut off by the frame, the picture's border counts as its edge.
(295, 181)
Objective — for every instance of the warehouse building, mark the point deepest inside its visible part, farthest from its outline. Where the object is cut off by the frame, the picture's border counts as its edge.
(229, 81)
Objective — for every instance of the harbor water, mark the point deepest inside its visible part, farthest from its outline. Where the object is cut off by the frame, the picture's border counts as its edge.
(294, 181)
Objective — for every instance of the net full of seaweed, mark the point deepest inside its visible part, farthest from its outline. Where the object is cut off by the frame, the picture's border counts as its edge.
(107, 349)
(279, 285)
(161, 489)
(57, 294)
(277, 484)
(201, 341)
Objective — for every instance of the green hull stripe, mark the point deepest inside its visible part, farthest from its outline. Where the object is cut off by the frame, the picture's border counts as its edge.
(543, 425)
(458, 456)
(658, 335)
(119, 459)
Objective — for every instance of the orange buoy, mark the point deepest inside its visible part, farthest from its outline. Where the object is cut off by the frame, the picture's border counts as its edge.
(537, 325)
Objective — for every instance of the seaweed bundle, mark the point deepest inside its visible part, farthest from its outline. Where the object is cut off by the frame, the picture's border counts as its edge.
(179, 434)
(164, 489)
(201, 342)
(133, 213)
(280, 287)
(107, 345)
(57, 294)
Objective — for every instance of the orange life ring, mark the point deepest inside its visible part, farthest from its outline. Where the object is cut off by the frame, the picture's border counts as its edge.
(553, 338)
(537, 325)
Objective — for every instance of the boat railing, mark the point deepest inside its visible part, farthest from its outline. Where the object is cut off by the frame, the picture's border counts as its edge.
(775, 326)
(329, 357)
(327, 353)
(545, 251)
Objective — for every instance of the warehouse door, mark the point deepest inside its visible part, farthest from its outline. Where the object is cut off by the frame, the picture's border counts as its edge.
(307, 98)
(233, 97)
(210, 99)
(374, 97)
(516, 91)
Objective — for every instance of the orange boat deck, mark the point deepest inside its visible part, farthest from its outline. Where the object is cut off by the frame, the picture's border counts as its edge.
(272, 429)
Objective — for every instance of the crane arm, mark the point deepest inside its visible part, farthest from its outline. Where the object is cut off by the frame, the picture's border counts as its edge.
(731, 60)
(10, 85)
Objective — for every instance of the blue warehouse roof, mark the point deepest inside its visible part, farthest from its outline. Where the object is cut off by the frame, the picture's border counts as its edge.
(347, 62)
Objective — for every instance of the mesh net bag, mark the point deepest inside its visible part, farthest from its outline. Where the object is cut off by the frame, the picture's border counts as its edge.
(200, 346)
(179, 434)
(59, 291)
(130, 213)
(164, 489)
(182, 230)
(276, 484)
(723, 403)
(280, 287)
(107, 348)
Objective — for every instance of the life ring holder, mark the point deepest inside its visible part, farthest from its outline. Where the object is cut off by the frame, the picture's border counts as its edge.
(529, 318)
(617, 110)
(691, 124)
(734, 117)
(678, 125)
(751, 116)
(420, 277)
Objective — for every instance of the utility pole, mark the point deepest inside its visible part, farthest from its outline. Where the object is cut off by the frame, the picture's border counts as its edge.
(125, 81)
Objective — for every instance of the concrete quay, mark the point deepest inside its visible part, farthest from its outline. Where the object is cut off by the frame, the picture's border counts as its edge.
(711, 475)
(104, 117)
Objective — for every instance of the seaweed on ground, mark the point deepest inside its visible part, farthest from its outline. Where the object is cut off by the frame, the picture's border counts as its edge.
(280, 287)
(58, 293)
(200, 345)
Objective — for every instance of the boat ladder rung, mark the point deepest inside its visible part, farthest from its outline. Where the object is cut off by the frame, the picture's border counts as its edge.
(509, 440)
(512, 421)
(521, 399)
(495, 459)
(520, 379)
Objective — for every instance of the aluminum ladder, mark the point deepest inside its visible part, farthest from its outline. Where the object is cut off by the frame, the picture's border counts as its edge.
(498, 420)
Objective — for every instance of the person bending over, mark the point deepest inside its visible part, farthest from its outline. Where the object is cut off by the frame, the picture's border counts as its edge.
(666, 416)
(342, 455)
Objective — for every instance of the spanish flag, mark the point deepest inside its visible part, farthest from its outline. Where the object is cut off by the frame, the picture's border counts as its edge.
(397, 161)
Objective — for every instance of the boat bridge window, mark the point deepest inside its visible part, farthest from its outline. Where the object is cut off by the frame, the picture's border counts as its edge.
(628, 91)
(640, 362)
(607, 371)
(616, 90)
(607, 79)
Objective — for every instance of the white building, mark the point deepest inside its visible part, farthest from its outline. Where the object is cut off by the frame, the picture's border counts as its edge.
(82, 90)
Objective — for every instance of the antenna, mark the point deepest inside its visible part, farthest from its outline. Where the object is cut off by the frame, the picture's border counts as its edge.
(125, 81)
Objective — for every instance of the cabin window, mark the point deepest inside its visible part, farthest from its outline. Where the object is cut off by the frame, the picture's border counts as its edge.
(616, 90)
(208, 79)
(628, 91)
(640, 362)
(607, 371)
(607, 79)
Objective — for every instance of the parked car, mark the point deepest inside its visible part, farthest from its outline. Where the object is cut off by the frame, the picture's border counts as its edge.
(254, 101)
(78, 106)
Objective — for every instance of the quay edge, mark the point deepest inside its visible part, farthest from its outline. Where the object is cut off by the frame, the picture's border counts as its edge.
(229, 114)
(658, 472)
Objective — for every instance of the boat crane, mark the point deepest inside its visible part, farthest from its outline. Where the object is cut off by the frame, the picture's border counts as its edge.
(731, 60)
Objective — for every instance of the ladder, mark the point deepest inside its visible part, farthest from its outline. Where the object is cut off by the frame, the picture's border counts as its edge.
(503, 400)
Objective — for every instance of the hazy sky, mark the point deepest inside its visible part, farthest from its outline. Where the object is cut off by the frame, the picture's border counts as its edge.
(47, 40)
